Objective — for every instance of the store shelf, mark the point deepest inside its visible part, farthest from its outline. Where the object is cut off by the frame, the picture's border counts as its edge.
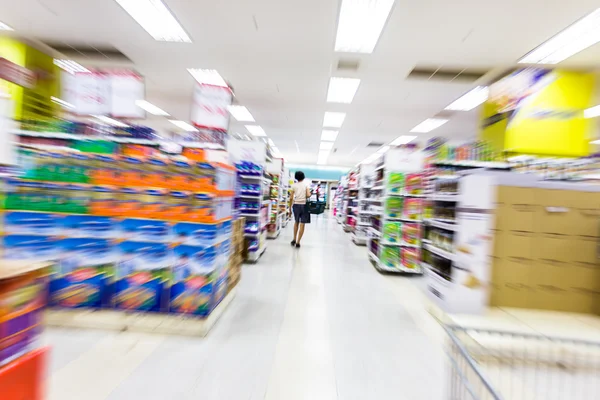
(416, 221)
(445, 197)
(250, 196)
(372, 200)
(73, 136)
(441, 224)
(405, 195)
(247, 215)
(252, 235)
(442, 253)
(401, 244)
(474, 164)
(445, 177)
(374, 231)
(373, 257)
(369, 213)
(380, 187)
(250, 177)
(201, 145)
(382, 166)
(359, 240)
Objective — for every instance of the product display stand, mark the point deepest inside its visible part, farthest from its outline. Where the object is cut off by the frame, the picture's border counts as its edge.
(363, 222)
(394, 203)
(351, 202)
(339, 199)
(276, 192)
(284, 201)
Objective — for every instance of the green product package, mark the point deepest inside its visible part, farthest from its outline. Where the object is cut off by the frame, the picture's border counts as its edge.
(393, 207)
(392, 232)
(395, 183)
(390, 256)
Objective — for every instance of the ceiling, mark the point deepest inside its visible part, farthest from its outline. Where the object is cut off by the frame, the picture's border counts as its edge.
(278, 56)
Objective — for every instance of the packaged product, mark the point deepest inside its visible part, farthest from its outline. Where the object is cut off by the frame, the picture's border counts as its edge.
(411, 233)
(145, 230)
(392, 232)
(84, 274)
(143, 276)
(393, 207)
(203, 208)
(194, 234)
(90, 226)
(31, 247)
(103, 199)
(414, 183)
(395, 183)
(410, 258)
(413, 208)
(390, 256)
(205, 177)
(30, 223)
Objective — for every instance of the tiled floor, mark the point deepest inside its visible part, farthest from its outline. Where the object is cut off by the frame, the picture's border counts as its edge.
(315, 323)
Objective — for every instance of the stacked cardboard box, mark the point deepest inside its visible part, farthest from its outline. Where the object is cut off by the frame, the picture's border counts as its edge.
(237, 248)
(545, 249)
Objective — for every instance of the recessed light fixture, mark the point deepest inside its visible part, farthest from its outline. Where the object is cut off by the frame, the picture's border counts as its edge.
(402, 140)
(322, 157)
(62, 103)
(383, 150)
(470, 100)
(183, 125)
(591, 112)
(70, 66)
(151, 108)
(110, 121)
(156, 19)
(342, 90)
(326, 146)
(271, 142)
(333, 119)
(241, 113)
(428, 125)
(208, 77)
(360, 25)
(329, 136)
(256, 130)
(570, 41)
(4, 27)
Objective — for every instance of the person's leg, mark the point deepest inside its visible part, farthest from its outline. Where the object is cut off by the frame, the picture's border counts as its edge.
(295, 231)
(300, 233)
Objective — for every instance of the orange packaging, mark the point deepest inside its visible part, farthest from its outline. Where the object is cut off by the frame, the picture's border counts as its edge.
(136, 150)
(194, 154)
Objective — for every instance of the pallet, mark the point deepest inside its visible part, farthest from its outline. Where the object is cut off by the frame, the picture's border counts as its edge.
(159, 323)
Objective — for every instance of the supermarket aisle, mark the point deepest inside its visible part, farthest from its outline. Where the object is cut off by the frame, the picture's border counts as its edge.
(318, 323)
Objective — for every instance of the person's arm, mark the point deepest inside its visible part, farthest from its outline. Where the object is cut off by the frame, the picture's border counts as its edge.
(292, 198)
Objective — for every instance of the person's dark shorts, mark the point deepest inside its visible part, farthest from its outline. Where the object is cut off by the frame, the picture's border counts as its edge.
(301, 214)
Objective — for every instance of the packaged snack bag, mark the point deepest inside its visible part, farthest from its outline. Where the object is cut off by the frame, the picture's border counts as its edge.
(413, 208)
(411, 233)
(393, 207)
(410, 258)
(414, 183)
(390, 256)
(396, 181)
(392, 232)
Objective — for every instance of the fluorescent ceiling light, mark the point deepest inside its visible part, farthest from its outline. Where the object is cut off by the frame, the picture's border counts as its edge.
(428, 125)
(402, 140)
(360, 24)
(70, 66)
(333, 119)
(62, 103)
(208, 77)
(111, 121)
(322, 157)
(297, 147)
(592, 112)
(151, 108)
(329, 136)
(570, 41)
(4, 27)
(595, 142)
(342, 90)
(326, 146)
(271, 143)
(183, 125)
(156, 19)
(383, 150)
(241, 113)
(470, 100)
(256, 130)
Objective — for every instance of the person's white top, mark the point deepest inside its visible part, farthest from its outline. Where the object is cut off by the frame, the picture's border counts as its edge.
(300, 190)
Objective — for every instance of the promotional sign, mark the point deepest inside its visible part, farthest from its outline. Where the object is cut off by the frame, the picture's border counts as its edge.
(104, 92)
(536, 111)
(209, 108)
(244, 150)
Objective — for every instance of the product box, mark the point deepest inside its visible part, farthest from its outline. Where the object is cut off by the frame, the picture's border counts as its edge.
(195, 234)
(84, 274)
(21, 315)
(392, 232)
(583, 249)
(146, 230)
(30, 223)
(413, 208)
(393, 207)
(516, 244)
(143, 276)
(552, 247)
(195, 278)
(92, 226)
(395, 183)
(30, 247)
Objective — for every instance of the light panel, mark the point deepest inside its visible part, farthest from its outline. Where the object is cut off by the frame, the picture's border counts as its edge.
(326, 146)
(4, 27)
(156, 19)
(322, 157)
(70, 66)
(570, 41)
(592, 112)
(110, 121)
(151, 108)
(208, 77)
(428, 125)
(383, 150)
(333, 119)
(360, 25)
(400, 140)
(342, 90)
(329, 136)
(470, 100)
(271, 142)
(62, 103)
(595, 142)
(256, 130)
(241, 113)
(183, 125)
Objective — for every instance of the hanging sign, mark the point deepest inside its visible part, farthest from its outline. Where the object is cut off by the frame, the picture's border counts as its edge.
(209, 108)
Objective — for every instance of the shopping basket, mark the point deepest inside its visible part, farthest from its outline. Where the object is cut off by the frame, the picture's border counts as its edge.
(491, 364)
(316, 207)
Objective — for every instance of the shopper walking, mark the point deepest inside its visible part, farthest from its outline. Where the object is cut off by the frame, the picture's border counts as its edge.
(300, 195)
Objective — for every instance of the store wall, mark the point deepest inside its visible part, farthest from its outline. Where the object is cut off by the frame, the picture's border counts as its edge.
(316, 173)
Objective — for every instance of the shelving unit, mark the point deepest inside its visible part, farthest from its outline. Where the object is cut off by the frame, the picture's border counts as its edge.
(363, 220)
(387, 249)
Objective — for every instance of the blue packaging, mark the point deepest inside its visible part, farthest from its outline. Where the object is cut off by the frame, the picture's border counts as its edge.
(30, 247)
(143, 276)
(196, 234)
(92, 226)
(84, 275)
(30, 223)
(146, 230)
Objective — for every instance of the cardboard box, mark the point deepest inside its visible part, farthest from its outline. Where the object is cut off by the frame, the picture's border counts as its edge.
(583, 249)
(511, 294)
(552, 247)
(516, 195)
(585, 301)
(586, 222)
(516, 244)
(520, 217)
(584, 275)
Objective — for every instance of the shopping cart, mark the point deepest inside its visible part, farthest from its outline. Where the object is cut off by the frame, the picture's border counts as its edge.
(316, 207)
(491, 364)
